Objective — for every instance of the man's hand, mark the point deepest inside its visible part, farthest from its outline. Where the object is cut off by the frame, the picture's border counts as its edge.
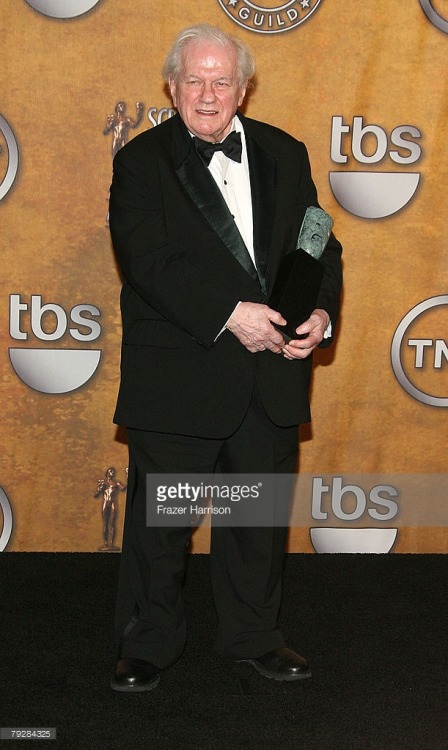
(315, 327)
(251, 323)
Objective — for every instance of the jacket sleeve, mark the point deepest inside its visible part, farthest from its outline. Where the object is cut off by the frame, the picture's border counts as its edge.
(166, 276)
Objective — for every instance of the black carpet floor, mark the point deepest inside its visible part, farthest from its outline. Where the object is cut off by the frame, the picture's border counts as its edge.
(373, 627)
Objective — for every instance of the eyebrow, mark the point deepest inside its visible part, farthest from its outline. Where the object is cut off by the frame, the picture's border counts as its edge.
(219, 78)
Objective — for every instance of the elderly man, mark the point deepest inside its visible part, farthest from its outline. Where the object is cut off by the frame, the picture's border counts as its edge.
(203, 210)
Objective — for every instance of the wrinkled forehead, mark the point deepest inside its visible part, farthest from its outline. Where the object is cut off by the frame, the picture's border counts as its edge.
(209, 56)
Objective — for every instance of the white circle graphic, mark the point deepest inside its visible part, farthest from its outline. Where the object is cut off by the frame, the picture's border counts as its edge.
(397, 367)
(62, 8)
(13, 157)
(373, 195)
(7, 520)
(54, 370)
(352, 540)
(433, 16)
(272, 18)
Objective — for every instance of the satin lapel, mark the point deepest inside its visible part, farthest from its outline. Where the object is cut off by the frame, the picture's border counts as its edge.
(263, 180)
(204, 191)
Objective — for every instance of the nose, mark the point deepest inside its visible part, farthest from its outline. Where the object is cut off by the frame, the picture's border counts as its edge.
(208, 92)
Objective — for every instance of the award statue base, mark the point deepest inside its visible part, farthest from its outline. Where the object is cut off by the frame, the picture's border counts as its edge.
(296, 290)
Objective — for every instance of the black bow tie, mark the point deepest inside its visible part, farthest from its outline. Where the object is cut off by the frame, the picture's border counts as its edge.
(230, 146)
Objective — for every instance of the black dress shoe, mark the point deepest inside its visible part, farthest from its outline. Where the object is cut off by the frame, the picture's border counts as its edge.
(135, 676)
(281, 664)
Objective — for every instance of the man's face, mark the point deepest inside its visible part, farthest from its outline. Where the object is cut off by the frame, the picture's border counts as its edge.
(207, 93)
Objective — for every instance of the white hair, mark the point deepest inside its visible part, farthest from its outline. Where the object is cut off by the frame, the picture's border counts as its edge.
(205, 32)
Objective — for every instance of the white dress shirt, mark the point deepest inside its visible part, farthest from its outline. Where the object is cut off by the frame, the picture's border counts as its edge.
(233, 180)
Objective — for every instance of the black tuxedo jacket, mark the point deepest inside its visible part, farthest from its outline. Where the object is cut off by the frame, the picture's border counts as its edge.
(185, 268)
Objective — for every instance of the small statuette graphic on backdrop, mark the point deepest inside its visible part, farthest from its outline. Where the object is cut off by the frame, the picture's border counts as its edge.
(315, 231)
(108, 488)
(119, 123)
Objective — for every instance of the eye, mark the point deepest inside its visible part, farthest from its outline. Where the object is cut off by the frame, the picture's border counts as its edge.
(222, 85)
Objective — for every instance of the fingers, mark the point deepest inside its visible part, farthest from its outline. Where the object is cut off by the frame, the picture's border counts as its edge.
(256, 342)
(251, 323)
(302, 348)
(274, 316)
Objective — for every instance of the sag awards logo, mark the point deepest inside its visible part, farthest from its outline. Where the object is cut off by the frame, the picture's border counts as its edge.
(156, 116)
(6, 525)
(119, 123)
(268, 16)
(433, 16)
(9, 157)
(62, 8)
(53, 370)
(419, 352)
(371, 194)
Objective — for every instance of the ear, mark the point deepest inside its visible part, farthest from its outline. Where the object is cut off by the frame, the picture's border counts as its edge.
(243, 90)
(172, 88)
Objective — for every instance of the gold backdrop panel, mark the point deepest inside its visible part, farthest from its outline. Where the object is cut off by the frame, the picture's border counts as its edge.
(366, 87)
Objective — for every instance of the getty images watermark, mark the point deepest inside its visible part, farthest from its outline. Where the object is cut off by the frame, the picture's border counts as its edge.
(229, 499)
(251, 500)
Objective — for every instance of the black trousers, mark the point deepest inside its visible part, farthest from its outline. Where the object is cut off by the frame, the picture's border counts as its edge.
(246, 563)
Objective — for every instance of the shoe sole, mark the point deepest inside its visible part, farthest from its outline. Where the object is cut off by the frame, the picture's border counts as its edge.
(134, 688)
(276, 676)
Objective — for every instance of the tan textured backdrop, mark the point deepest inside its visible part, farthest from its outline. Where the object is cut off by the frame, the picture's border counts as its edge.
(59, 80)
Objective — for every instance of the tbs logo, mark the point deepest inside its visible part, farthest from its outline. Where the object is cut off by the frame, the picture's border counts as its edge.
(372, 194)
(349, 503)
(50, 370)
(62, 8)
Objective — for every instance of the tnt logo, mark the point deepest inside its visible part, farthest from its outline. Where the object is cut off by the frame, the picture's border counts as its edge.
(419, 352)
(9, 157)
(432, 15)
(5, 520)
(48, 370)
(372, 194)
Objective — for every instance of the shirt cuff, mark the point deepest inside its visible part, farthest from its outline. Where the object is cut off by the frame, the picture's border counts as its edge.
(225, 324)
(328, 331)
